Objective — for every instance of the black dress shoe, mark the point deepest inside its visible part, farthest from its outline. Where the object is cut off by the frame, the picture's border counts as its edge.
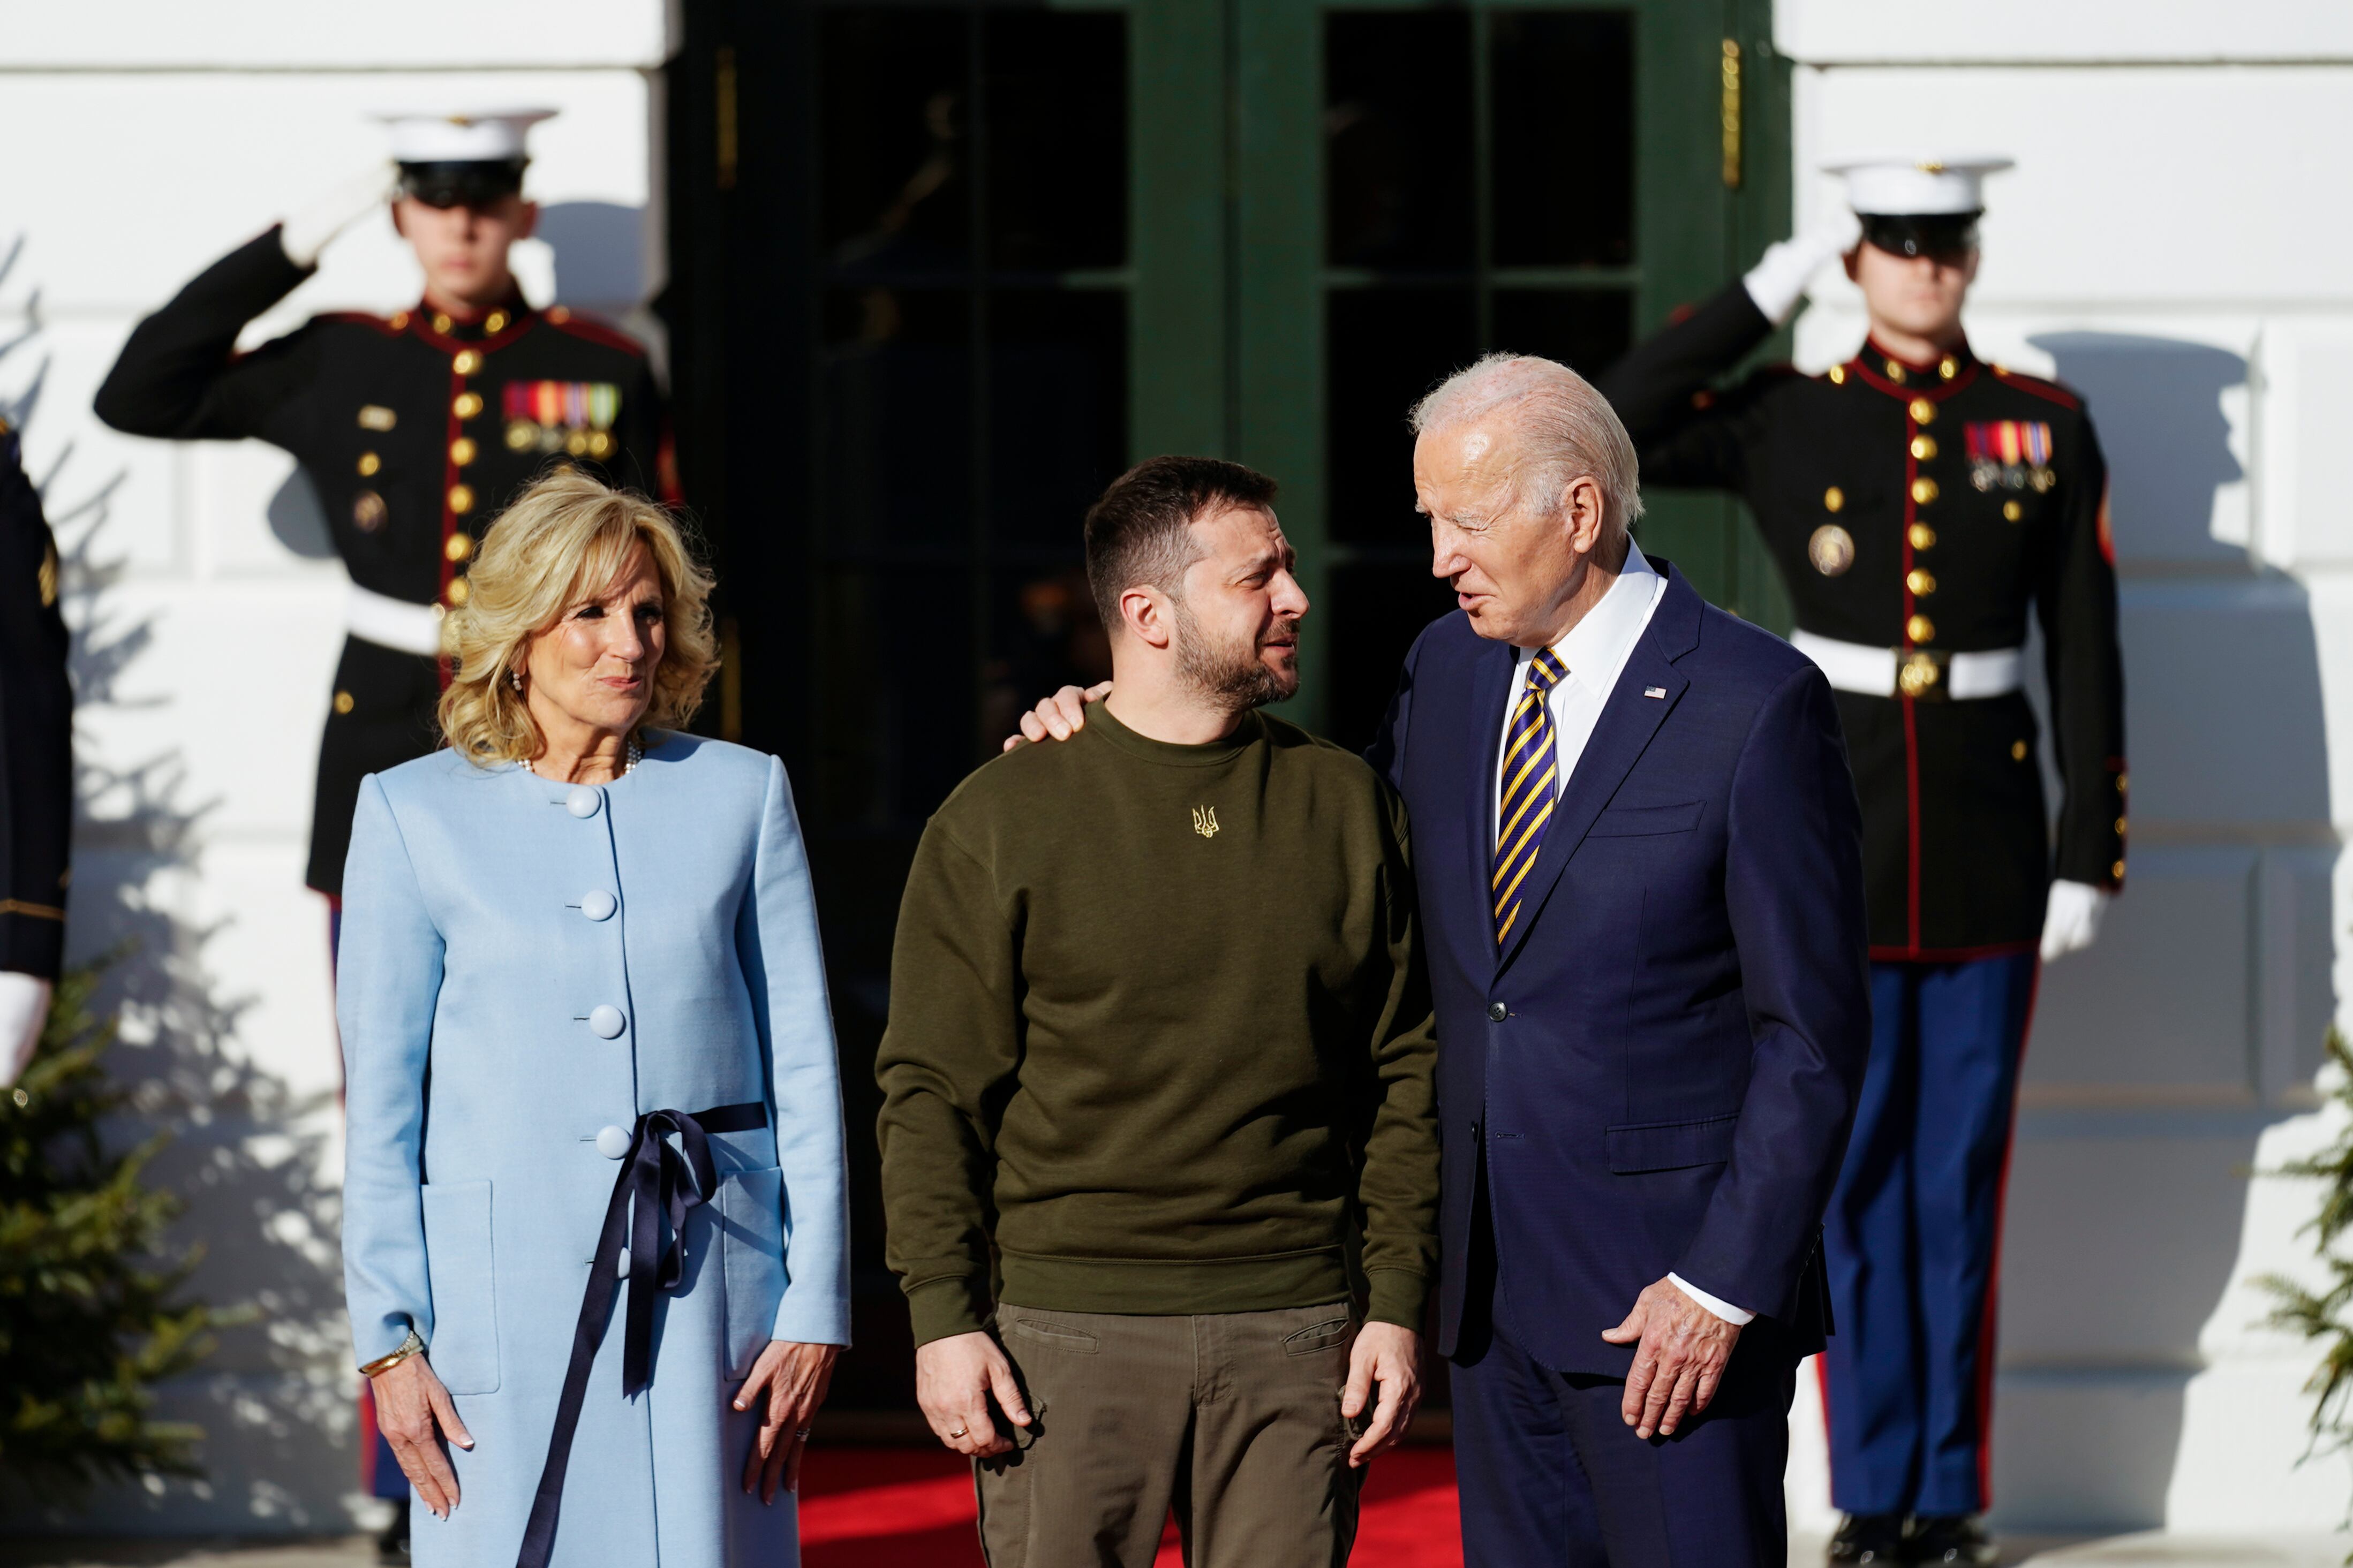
(1952, 1541)
(1869, 1538)
(392, 1546)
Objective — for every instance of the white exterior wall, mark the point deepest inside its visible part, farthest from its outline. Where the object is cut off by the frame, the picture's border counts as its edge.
(2172, 244)
(149, 138)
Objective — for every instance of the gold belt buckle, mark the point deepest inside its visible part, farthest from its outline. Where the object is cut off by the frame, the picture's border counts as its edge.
(1921, 676)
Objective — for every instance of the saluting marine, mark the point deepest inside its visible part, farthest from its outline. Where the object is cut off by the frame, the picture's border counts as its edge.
(35, 765)
(415, 428)
(1919, 502)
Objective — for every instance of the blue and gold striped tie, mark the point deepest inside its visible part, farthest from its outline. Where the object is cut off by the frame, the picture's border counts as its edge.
(1526, 807)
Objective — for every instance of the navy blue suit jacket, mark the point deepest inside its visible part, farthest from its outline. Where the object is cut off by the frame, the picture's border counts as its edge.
(1685, 1003)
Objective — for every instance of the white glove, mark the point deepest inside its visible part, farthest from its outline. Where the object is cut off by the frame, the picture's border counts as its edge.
(1779, 279)
(2072, 921)
(24, 1008)
(307, 233)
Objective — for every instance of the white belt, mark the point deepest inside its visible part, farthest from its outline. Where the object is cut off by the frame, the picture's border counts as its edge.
(1923, 672)
(393, 622)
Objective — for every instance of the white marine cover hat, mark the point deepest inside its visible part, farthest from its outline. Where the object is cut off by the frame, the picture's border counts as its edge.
(471, 136)
(1917, 185)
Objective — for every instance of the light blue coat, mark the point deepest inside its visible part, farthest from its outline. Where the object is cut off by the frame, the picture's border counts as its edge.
(491, 918)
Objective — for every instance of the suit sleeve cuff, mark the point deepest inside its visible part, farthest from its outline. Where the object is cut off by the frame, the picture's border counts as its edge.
(1737, 1316)
(1396, 1296)
(944, 1307)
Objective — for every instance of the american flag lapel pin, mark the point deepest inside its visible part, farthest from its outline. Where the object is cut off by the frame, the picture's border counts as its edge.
(1659, 692)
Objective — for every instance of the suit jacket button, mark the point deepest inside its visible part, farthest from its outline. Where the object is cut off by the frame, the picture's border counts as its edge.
(606, 1021)
(612, 1141)
(581, 802)
(1497, 1011)
(599, 905)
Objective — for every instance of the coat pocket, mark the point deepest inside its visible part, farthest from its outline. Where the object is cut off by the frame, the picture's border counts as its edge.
(1636, 821)
(752, 1249)
(462, 1265)
(1670, 1145)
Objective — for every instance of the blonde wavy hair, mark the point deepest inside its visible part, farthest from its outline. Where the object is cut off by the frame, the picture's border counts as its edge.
(563, 542)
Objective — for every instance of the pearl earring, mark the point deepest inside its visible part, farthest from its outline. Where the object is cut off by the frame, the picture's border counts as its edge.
(515, 676)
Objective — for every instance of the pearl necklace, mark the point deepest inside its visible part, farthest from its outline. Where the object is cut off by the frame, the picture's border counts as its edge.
(629, 760)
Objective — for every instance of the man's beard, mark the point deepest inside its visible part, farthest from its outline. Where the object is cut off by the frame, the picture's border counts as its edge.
(1234, 678)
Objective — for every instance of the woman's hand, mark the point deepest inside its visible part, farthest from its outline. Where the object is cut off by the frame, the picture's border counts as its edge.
(414, 1413)
(792, 1377)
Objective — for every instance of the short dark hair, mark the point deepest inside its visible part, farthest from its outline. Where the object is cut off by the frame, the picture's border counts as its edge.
(1136, 530)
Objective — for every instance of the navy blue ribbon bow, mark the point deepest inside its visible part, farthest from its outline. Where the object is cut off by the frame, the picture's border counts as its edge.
(657, 1182)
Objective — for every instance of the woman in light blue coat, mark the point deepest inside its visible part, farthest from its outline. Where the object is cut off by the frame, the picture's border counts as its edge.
(595, 1219)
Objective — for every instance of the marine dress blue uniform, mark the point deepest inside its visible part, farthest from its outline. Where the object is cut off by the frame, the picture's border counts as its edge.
(532, 973)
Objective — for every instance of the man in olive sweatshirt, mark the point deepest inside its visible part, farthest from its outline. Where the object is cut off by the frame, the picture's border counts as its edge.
(1158, 1156)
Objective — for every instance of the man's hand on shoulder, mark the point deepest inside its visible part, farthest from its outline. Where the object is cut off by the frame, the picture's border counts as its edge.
(1678, 1362)
(955, 1378)
(1061, 716)
(1390, 1356)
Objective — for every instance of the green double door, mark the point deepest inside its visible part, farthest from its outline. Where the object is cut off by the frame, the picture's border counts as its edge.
(941, 271)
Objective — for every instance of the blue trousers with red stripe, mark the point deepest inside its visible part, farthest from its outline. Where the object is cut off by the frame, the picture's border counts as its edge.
(1913, 1232)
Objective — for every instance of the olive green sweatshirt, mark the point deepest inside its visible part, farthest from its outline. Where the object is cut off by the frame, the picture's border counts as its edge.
(1160, 1039)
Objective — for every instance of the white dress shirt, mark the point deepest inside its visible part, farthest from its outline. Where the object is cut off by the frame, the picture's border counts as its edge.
(1594, 651)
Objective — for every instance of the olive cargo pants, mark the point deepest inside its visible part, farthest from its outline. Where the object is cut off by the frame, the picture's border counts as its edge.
(1233, 1419)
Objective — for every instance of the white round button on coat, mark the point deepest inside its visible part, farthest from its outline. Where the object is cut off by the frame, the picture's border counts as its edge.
(599, 905)
(582, 801)
(607, 1021)
(612, 1141)
(623, 1270)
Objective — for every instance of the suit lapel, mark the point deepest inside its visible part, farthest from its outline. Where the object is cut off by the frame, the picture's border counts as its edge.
(1490, 690)
(1627, 721)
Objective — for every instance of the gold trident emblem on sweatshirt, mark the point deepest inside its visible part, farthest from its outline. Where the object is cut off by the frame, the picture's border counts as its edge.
(1205, 821)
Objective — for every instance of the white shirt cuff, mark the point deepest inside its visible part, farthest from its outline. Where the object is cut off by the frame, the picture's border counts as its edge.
(1722, 1308)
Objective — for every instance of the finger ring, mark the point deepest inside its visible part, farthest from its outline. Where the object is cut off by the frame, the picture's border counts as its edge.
(957, 1433)
(802, 1434)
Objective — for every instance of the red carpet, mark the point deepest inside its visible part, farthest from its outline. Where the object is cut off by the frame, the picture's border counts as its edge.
(908, 1508)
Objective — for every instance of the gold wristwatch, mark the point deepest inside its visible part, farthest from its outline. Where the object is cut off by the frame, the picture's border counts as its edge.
(412, 1345)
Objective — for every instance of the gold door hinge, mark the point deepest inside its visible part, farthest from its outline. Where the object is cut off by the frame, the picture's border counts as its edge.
(1731, 109)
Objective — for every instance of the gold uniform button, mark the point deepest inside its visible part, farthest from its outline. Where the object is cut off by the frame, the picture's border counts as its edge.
(1921, 581)
(467, 362)
(558, 314)
(2017, 751)
(1924, 447)
(461, 499)
(1838, 375)
(1920, 629)
(2011, 512)
(457, 591)
(467, 405)
(1923, 491)
(2117, 870)
(440, 323)
(400, 321)
(2120, 828)
(1923, 412)
(460, 545)
(2124, 783)
(1922, 536)
(461, 450)
(1895, 372)
(343, 701)
(497, 322)
(1833, 499)
(1949, 367)
(369, 464)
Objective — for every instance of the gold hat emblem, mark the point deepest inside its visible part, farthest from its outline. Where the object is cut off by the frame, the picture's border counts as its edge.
(1831, 550)
(1205, 821)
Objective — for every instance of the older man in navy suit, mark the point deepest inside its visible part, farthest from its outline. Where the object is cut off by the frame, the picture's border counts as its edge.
(1639, 861)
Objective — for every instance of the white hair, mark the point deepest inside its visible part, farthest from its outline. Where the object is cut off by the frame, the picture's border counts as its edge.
(1567, 430)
